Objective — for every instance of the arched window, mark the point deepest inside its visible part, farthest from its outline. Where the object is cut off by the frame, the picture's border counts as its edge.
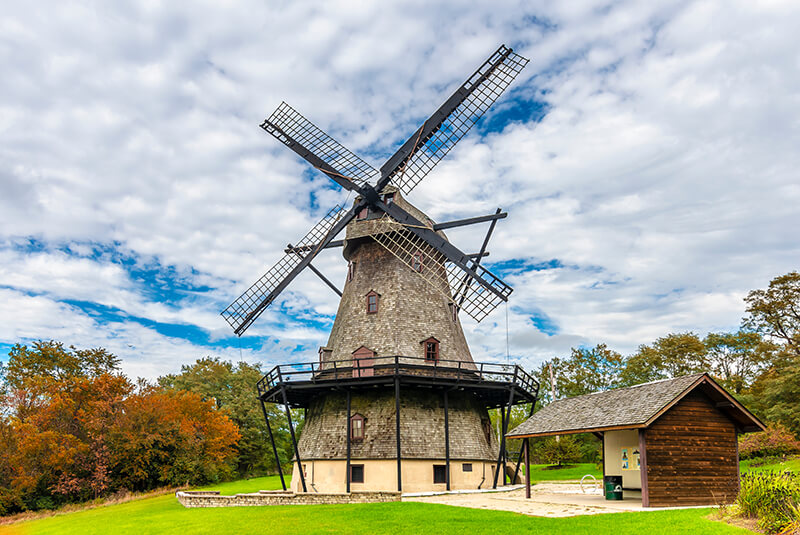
(372, 302)
(430, 348)
(357, 427)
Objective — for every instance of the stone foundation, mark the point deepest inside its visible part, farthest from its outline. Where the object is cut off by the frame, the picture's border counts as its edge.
(280, 497)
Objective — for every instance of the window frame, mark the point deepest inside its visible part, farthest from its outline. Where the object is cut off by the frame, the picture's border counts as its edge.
(440, 470)
(351, 270)
(417, 261)
(436, 349)
(354, 467)
(358, 418)
(377, 296)
(362, 214)
(466, 467)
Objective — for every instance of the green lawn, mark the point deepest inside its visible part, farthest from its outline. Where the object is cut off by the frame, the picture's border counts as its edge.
(541, 472)
(164, 515)
(792, 465)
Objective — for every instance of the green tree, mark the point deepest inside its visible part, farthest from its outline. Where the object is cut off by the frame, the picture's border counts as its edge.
(559, 451)
(775, 312)
(736, 359)
(586, 370)
(232, 389)
(672, 355)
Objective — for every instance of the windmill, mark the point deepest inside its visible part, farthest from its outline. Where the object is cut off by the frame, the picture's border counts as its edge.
(397, 324)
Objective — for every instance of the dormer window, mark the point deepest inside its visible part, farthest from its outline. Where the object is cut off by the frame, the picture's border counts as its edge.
(362, 214)
(416, 262)
(357, 428)
(388, 198)
(372, 302)
(431, 349)
(351, 270)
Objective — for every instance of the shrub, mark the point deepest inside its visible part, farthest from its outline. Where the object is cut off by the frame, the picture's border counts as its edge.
(776, 440)
(771, 497)
(560, 451)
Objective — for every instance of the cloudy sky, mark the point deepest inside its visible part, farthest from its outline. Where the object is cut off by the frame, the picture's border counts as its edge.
(647, 156)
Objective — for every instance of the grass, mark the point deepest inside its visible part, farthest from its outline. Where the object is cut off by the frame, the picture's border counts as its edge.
(541, 472)
(164, 515)
(792, 465)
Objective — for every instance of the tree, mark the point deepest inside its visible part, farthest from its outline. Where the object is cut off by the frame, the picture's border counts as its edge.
(736, 359)
(586, 370)
(232, 389)
(775, 312)
(560, 451)
(672, 355)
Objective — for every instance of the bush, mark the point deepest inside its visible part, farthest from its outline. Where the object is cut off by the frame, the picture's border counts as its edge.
(773, 498)
(560, 451)
(775, 441)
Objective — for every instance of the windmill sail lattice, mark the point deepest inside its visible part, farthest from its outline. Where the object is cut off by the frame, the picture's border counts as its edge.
(248, 306)
(289, 126)
(476, 300)
(472, 100)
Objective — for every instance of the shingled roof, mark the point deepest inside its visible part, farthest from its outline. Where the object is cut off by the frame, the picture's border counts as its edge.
(625, 408)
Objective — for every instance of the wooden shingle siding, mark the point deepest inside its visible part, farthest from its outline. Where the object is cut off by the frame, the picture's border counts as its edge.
(691, 455)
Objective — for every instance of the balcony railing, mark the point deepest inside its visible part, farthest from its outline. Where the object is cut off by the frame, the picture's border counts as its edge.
(350, 369)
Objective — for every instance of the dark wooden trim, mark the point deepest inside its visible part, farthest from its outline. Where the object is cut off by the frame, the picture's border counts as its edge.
(377, 297)
(501, 457)
(397, 431)
(603, 445)
(526, 444)
(272, 441)
(738, 468)
(446, 442)
(349, 433)
(576, 431)
(294, 439)
(642, 467)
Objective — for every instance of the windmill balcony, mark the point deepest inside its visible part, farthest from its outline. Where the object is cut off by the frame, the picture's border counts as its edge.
(489, 381)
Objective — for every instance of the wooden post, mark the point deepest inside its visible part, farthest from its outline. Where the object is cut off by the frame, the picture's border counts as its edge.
(348, 431)
(294, 440)
(446, 443)
(272, 441)
(501, 455)
(643, 468)
(527, 446)
(397, 430)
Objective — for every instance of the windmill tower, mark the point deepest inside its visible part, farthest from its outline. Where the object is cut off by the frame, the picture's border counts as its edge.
(395, 400)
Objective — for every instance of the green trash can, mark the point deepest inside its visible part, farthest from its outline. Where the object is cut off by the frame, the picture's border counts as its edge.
(613, 487)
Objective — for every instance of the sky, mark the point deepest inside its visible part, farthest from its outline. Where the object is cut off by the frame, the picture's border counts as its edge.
(647, 157)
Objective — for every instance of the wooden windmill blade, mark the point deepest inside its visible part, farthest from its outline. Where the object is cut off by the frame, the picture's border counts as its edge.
(248, 307)
(318, 148)
(451, 122)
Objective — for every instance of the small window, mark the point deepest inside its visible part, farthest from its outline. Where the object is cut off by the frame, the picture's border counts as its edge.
(453, 311)
(351, 270)
(466, 467)
(356, 473)
(362, 214)
(431, 348)
(357, 428)
(416, 262)
(439, 473)
(305, 473)
(372, 303)
(388, 198)
(487, 430)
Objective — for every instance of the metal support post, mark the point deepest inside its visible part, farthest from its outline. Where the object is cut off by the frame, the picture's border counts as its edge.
(272, 441)
(397, 431)
(527, 446)
(294, 440)
(349, 432)
(446, 442)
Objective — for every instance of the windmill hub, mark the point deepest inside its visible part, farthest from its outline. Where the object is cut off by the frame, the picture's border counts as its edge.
(395, 400)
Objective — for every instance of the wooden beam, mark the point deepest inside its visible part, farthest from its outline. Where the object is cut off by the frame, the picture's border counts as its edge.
(642, 468)
(527, 445)
(272, 441)
(294, 440)
(446, 442)
(397, 430)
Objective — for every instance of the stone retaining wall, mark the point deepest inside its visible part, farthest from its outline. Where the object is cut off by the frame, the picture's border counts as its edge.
(214, 499)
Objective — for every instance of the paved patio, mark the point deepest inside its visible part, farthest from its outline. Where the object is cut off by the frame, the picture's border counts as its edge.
(547, 499)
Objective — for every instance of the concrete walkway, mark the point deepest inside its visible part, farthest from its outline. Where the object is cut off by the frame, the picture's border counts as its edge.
(547, 499)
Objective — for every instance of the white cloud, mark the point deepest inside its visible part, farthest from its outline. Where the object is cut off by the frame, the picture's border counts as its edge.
(663, 177)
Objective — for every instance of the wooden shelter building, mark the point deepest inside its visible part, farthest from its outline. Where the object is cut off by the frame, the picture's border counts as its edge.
(676, 440)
